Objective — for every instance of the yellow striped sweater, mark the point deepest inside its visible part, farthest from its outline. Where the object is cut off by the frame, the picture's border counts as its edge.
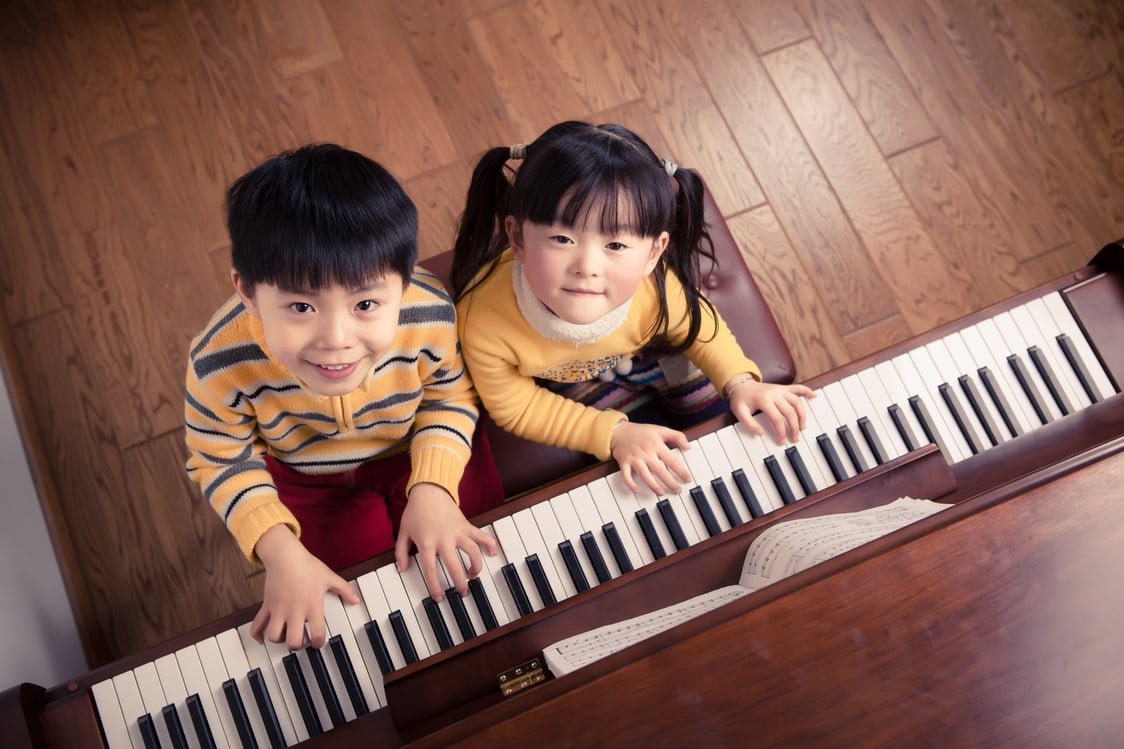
(241, 403)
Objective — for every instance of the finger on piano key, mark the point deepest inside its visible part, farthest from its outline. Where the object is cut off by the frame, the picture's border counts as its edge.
(811, 452)
(880, 401)
(336, 619)
(677, 517)
(196, 683)
(267, 656)
(1060, 313)
(848, 418)
(532, 536)
(489, 601)
(517, 554)
(780, 469)
(552, 536)
(445, 607)
(1038, 329)
(469, 619)
(109, 713)
(503, 603)
(416, 591)
(214, 668)
(916, 368)
(1029, 378)
(700, 494)
(612, 519)
(171, 682)
(572, 526)
(385, 649)
(654, 530)
(629, 505)
(152, 694)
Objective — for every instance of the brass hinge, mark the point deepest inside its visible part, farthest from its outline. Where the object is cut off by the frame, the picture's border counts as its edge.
(522, 676)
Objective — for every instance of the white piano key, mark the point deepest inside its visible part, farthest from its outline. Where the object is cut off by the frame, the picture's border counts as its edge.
(965, 361)
(551, 533)
(612, 511)
(444, 606)
(824, 415)
(195, 682)
(171, 682)
(398, 599)
(626, 500)
(996, 349)
(503, 604)
(318, 699)
(132, 705)
(630, 503)
(1016, 344)
(981, 356)
(756, 451)
(414, 587)
(214, 668)
(810, 448)
(730, 440)
(778, 452)
(880, 402)
(516, 554)
(358, 615)
(899, 394)
(721, 467)
(917, 366)
(112, 719)
(846, 415)
(572, 526)
(335, 679)
(237, 665)
(1038, 328)
(1064, 320)
(533, 543)
(702, 473)
(267, 657)
(378, 609)
(148, 683)
(338, 623)
(469, 602)
(948, 372)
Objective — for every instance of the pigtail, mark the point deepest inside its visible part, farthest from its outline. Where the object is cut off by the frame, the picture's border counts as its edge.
(480, 238)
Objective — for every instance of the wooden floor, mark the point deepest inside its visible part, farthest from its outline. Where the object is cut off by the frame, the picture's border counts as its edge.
(886, 165)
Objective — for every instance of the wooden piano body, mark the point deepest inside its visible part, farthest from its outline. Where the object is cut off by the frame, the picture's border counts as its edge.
(994, 622)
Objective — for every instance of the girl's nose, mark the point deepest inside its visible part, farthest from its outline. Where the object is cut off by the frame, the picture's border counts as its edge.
(588, 262)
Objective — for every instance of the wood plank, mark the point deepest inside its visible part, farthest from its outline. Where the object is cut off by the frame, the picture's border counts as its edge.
(1095, 113)
(922, 281)
(869, 72)
(439, 196)
(770, 24)
(1101, 26)
(880, 335)
(1051, 40)
(297, 35)
(799, 193)
(335, 112)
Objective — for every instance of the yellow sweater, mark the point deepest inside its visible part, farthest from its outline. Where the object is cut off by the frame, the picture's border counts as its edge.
(241, 404)
(504, 354)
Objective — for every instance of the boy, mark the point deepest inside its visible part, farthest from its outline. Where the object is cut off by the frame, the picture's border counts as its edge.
(330, 389)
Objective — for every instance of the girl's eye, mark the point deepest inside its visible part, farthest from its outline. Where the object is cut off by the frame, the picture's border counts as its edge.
(616, 245)
(300, 307)
(367, 305)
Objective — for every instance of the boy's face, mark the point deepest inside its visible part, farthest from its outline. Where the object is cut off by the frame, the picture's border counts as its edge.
(330, 338)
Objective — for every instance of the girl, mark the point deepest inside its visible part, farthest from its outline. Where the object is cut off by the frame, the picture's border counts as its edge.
(577, 295)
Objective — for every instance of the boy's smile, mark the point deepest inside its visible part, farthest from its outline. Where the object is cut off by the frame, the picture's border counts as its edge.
(329, 338)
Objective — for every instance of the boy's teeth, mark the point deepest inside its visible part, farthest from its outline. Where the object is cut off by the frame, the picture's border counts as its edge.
(333, 367)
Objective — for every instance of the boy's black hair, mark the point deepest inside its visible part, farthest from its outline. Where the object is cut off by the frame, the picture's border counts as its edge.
(320, 216)
(576, 170)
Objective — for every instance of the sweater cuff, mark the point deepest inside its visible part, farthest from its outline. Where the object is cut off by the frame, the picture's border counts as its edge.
(252, 525)
(439, 466)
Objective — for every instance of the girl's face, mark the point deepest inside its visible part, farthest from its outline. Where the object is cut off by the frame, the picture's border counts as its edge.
(579, 273)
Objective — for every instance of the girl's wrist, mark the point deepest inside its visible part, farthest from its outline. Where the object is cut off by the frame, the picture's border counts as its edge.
(739, 381)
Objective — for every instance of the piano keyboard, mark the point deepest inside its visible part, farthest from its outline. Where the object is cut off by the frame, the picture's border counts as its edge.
(971, 390)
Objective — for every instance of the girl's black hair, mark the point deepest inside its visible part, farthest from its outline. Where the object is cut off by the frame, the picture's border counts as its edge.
(320, 216)
(573, 171)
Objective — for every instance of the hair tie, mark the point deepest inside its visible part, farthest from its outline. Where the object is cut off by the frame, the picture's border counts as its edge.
(518, 151)
(669, 166)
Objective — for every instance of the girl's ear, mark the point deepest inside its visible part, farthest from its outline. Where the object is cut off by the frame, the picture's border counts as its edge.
(514, 231)
(245, 292)
(659, 246)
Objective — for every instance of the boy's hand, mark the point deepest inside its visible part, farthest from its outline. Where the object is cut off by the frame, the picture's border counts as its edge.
(295, 584)
(645, 451)
(435, 524)
(781, 405)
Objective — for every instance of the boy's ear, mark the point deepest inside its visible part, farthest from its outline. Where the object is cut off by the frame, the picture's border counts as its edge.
(244, 292)
(659, 246)
(514, 231)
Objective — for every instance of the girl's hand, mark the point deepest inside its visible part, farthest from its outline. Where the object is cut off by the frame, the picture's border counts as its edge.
(646, 451)
(781, 405)
(295, 584)
(435, 524)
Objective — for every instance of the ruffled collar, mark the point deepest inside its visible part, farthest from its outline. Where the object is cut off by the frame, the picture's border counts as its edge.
(549, 325)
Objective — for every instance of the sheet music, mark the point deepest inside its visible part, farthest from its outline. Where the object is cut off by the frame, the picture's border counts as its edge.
(780, 551)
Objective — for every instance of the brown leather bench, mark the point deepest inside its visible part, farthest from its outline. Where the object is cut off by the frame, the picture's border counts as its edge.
(524, 465)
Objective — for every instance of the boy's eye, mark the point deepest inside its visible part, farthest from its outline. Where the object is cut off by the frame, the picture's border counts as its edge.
(367, 305)
(561, 239)
(300, 307)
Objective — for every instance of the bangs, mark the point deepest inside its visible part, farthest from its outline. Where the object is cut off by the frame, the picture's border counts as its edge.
(312, 266)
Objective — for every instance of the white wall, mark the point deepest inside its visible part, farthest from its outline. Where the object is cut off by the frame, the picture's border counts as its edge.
(39, 641)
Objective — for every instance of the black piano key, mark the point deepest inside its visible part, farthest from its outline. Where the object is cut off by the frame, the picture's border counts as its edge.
(327, 689)
(265, 707)
(483, 605)
(573, 566)
(460, 614)
(437, 623)
(301, 695)
(987, 377)
(1053, 385)
(148, 732)
(199, 721)
(620, 554)
(402, 634)
(239, 715)
(979, 408)
(777, 475)
(908, 437)
(378, 645)
(671, 522)
(800, 468)
(747, 493)
(650, 535)
(515, 585)
(703, 506)
(872, 440)
(726, 501)
(538, 576)
(347, 673)
(1077, 364)
(832, 457)
(921, 411)
(952, 403)
(175, 727)
(852, 448)
(593, 551)
(1031, 390)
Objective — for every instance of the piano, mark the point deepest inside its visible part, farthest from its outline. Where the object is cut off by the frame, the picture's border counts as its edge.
(1013, 415)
